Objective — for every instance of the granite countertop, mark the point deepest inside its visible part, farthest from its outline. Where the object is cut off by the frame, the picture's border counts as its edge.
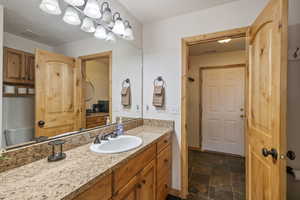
(64, 179)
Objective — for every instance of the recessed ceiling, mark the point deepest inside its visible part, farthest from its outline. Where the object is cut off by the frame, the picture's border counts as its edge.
(153, 10)
(236, 44)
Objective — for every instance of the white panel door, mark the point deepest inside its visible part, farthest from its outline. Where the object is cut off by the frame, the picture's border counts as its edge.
(223, 110)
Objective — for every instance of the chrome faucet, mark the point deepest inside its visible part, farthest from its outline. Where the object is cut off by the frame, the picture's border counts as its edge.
(101, 137)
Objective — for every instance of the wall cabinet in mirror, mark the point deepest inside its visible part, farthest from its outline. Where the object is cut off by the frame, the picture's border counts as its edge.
(18, 67)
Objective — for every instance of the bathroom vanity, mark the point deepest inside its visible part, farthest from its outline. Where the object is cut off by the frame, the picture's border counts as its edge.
(143, 173)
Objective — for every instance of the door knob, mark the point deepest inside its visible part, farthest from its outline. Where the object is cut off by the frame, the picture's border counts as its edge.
(273, 152)
(41, 123)
(291, 155)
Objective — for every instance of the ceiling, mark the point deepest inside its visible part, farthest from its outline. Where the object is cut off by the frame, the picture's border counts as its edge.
(153, 10)
(215, 47)
(25, 19)
(32, 23)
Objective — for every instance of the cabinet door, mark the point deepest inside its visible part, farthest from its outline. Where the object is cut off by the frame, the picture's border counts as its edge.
(129, 191)
(29, 68)
(13, 66)
(148, 182)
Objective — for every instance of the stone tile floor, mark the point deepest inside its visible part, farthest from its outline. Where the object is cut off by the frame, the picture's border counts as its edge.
(215, 176)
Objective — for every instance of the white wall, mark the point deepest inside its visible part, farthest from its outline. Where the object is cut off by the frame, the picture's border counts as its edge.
(126, 63)
(162, 56)
(196, 62)
(97, 72)
(23, 44)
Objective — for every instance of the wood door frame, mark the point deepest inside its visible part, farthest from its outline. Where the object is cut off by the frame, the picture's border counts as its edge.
(94, 57)
(185, 43)
(201, 69)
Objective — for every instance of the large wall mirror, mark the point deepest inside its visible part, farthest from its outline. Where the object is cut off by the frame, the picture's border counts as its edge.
(59, 78)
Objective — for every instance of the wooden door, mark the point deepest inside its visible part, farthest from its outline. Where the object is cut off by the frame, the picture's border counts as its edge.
(58, 94)
(223, 110)
(266, 113)
(13, 66)
(29, 67)
(148, 182)
(131, 191)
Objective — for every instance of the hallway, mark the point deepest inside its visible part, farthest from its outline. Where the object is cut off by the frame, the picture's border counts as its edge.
(216, 177)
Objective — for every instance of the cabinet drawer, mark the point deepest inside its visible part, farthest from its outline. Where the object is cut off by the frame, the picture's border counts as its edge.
(163, 187)
(100, 191)
(123, 174)
(163, 142)
(164, 162)
(93, 120)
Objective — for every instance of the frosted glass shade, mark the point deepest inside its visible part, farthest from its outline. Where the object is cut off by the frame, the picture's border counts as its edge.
(50, 7)
(75, 2)
(100, 32)
(119, 27)
(111, 37)
(128, 34)
(92, 9)
(71, 16)
(88, 25)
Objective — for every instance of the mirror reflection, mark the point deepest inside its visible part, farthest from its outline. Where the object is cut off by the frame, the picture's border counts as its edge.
(80, 71)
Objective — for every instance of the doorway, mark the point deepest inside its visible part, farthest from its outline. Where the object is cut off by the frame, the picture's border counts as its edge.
(97, 89)
(215, 120)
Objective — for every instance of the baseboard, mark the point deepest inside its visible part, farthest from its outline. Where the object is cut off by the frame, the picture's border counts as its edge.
(225, 154)
(175, 193)
(195, 148)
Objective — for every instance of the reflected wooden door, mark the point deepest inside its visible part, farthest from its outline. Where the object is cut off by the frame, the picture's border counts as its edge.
(58, 94)
(266, 114)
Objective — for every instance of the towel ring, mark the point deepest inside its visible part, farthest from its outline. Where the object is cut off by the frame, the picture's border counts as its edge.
(126, 81)
(159, 79)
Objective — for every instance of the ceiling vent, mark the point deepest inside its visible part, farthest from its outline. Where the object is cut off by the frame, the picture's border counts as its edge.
(30, 34)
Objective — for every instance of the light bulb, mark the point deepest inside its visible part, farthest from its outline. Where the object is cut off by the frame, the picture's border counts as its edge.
(100, 32)
(88, 25)
(50, 7)
(75, 2)
(107, 16)
(92, 9)
(119, 27)
(71, 16)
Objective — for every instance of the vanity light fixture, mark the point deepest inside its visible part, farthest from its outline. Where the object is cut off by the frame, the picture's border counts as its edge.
(88, 25)
(71, 17)
(224, 41)
(92, 9)
(95, 17)
(75, 2)
(50, 7)
(119, 27)
(100, 32)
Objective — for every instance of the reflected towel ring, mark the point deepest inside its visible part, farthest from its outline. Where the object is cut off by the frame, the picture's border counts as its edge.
(159, 79)
(126, 81)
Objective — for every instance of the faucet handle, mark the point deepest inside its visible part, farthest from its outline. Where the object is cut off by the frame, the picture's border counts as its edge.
(97, 140)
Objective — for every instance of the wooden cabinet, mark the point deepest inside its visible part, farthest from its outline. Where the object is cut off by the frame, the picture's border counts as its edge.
(147, 176)
(164, 165)
(99, 191)
(148, 182)
(130, 191)
(18, 67)
(141, 187)
(94, 120)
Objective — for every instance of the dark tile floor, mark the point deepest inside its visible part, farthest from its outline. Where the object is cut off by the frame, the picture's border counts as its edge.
(216, 177)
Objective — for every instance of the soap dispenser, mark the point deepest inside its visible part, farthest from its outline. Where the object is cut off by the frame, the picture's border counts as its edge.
(120, 127)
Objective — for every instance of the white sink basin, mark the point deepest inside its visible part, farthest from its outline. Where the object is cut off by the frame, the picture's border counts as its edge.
(117, 145)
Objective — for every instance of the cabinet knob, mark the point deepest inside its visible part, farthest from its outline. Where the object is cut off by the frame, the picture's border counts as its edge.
(139, 185)
(166, 186)
(144, 181)
(166, 160)
(165, 141)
